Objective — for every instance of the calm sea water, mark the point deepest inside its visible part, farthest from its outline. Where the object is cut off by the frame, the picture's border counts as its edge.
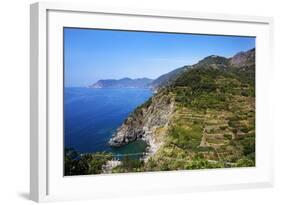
(91, 116)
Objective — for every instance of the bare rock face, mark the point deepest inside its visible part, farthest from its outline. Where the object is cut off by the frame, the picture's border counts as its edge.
(107, 168)
(143, 122)
(243, 58)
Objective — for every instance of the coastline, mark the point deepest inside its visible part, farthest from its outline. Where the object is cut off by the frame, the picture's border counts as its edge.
(152, 129)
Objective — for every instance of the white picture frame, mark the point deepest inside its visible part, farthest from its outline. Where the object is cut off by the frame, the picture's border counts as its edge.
(47, 182)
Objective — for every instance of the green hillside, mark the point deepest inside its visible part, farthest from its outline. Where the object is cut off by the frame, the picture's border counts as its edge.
(202, 116)
(214, 121)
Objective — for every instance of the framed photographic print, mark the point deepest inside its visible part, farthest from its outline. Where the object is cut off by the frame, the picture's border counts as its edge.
(147, 101)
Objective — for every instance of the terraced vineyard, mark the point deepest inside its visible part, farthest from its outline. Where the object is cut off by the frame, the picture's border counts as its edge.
(213, 126)
(206, 139)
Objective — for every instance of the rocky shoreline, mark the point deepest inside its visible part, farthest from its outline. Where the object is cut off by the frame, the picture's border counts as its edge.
(147, 122)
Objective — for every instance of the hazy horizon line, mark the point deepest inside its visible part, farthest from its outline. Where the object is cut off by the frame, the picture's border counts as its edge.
(140, 77)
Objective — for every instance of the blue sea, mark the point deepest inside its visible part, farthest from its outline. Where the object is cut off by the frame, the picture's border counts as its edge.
(91, 116)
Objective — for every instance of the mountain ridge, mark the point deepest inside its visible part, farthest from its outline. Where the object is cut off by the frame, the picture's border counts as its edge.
(207, 112)
(242, 60)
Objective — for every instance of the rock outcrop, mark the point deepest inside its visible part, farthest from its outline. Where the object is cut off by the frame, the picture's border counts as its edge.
(144, 122)
(244, 58)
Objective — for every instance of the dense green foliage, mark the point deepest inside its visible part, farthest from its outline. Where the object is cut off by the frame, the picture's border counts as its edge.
(83, 164)
(168, 78)
(129, 165)
(209, 88)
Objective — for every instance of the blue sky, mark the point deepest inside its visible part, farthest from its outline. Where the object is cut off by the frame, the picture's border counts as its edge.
(91, 54)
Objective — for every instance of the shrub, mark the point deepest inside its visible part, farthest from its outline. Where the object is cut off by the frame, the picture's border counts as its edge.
(228, 136)
(84, 164)
(199, 163)
(245, 162)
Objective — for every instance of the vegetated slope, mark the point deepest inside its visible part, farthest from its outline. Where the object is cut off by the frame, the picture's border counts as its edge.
(209, 120)
(168, 78)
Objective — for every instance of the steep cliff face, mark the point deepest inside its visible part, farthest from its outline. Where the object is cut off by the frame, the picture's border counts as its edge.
(145, 122)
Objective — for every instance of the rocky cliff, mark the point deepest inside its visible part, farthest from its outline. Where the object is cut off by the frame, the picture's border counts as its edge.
(147, 121)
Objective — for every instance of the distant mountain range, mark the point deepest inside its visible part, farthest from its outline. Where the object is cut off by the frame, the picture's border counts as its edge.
(123, 83)
(161, 81)
(242, 60)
